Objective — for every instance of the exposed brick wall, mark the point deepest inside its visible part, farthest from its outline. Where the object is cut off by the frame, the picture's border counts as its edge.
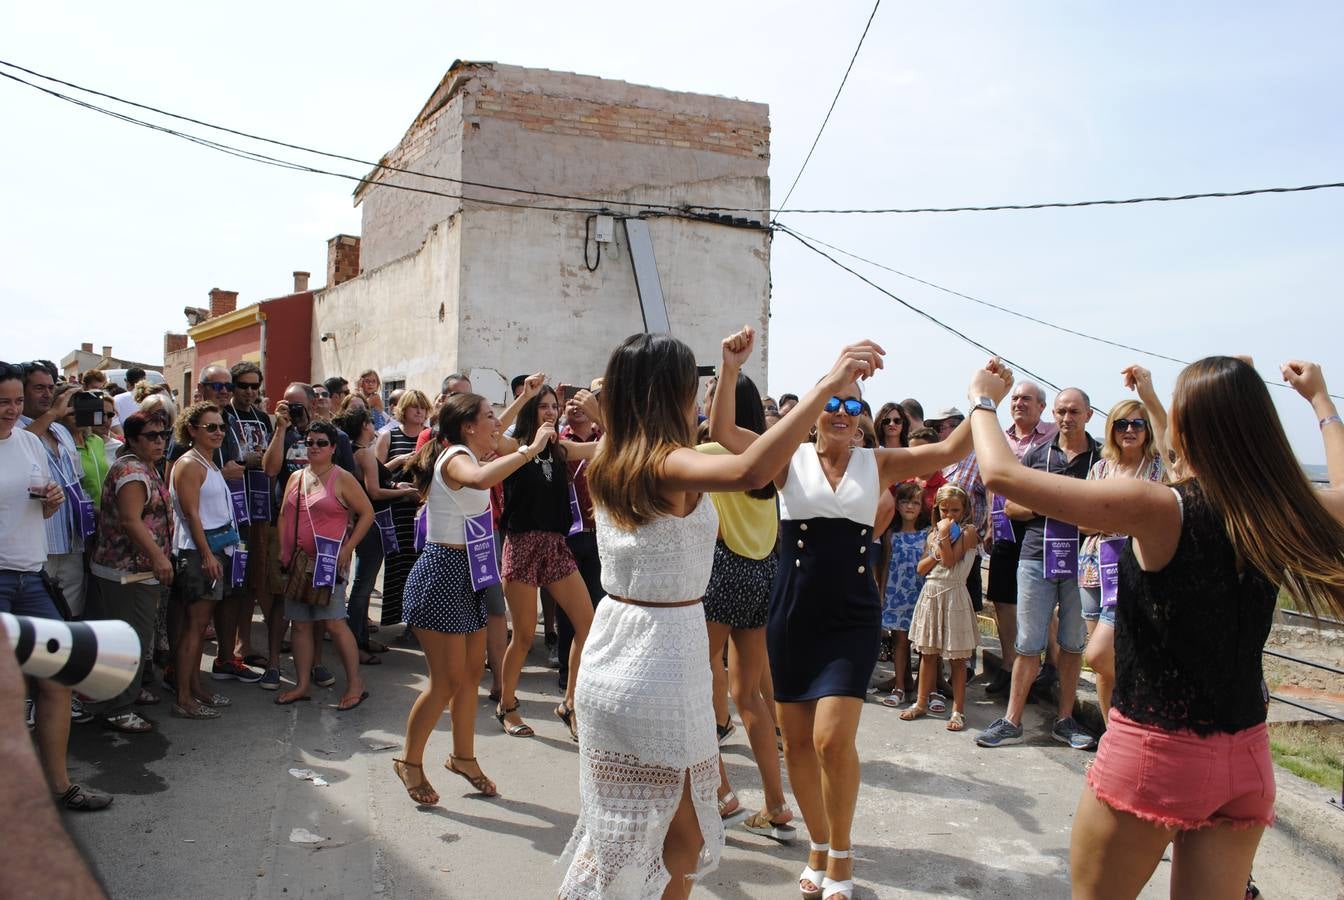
(222, 302)
(635, 124)
(173, 342)
(342, 259)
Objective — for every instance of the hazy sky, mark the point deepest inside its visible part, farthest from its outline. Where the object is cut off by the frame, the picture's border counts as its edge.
(108, 230)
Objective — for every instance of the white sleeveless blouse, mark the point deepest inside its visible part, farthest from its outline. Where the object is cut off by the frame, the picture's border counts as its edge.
(808, 495)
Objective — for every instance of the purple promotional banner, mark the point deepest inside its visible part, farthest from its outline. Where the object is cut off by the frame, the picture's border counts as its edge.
(324, 564)
(575, 511)
(387, 531)
(1060, 549)
(421, 529)
(238, 570)
(1109, 567)
(242, 514)
(81, 510)
(1002, 525)
(481, 551)
(258, 495)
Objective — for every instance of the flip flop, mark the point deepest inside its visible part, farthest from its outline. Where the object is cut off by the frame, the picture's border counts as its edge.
(281, 701)
(340, 707)
(372, 660)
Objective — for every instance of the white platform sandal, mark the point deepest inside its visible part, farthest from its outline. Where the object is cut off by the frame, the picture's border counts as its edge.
(832, 888)
(814, 877)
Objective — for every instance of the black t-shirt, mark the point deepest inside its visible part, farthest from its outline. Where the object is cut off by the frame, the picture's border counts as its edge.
(1050, 458)
(249, 431)
(534, 502)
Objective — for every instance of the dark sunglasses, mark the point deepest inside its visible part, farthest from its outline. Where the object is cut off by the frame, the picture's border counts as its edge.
(321, 395)
(212, 427)
(1126, 424)
(852, 407)
(890, 420)
(312, 443)
(247, 385)
(157, 435)
(218, 386)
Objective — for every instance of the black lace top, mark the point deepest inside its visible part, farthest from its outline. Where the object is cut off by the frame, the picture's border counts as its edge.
(1188, 638)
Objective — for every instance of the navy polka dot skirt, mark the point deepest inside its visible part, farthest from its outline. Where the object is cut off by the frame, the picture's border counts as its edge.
(439, 595)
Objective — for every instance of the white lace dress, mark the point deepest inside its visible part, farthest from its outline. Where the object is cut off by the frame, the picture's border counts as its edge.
(645, 710)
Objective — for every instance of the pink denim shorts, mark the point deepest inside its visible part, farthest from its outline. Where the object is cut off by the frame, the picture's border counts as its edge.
(1180, 780)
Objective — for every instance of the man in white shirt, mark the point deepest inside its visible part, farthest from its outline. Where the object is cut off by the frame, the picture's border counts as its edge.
(125, 403)
(29, 497)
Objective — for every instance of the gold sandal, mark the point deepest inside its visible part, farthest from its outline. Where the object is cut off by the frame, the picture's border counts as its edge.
(482, 784)
(956, 722)
(422, 792)
(914, 712)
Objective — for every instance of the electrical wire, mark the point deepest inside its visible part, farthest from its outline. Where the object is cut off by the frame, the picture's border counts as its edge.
(1005, 309)
(915, 309)
(834, 100)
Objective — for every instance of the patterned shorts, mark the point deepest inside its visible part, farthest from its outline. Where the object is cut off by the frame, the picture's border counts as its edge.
(438, 594)
(739, 588)
(537, 558)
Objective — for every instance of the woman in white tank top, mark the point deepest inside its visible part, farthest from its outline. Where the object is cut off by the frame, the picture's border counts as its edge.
(648, 756)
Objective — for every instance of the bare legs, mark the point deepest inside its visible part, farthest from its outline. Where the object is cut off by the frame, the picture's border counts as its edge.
(572, 596)
(1101, 657)
(681, 847)
(455, 662)
(824, 771)
(190, 621)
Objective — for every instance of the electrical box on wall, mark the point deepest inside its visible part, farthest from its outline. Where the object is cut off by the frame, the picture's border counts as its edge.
(604, 229)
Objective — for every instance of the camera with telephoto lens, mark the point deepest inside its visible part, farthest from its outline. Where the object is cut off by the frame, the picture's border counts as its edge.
(97, 659)
(88, 408)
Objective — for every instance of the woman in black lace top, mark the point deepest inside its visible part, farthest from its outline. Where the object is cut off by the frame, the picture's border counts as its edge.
(1185, 759)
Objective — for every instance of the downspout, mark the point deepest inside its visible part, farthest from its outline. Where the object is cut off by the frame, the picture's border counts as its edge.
(262, 350)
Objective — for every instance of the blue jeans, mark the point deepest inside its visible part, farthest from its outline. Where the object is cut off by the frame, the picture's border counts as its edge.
(1037, 598)
(24, 594)
(368, 560)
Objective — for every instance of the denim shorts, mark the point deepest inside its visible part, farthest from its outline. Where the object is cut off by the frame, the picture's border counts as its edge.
(1037, 599)
(24, 594)
(1093, 611)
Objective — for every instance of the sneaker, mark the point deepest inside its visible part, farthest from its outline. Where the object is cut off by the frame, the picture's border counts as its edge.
(322, 675)
(223, 670)
(999, 732)
(271, 680)
(1068, 731)
(78, 714)
(1001, 682)
(726, 731)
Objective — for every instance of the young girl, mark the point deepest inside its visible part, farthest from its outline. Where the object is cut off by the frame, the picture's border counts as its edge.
(904, 582)
(944, 622)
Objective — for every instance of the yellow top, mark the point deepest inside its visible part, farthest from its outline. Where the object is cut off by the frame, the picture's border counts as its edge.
(747, 525)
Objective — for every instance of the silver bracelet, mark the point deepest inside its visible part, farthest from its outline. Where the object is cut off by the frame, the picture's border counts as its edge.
(1329, 419)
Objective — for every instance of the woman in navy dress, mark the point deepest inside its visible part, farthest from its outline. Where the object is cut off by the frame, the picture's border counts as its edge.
(825, 618)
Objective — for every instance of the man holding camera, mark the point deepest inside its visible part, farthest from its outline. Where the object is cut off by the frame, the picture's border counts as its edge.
(29, 500)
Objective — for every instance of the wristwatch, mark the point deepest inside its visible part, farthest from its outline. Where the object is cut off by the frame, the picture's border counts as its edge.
(983, 402)
(522, 451)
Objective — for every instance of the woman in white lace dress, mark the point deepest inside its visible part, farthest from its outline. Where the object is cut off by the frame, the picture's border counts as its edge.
(648, 753)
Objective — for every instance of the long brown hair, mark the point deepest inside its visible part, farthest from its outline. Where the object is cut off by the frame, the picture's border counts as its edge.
(457, 411)
(1273, 517)
(647, 394)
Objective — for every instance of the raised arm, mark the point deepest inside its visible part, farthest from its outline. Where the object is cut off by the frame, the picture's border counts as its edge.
(723, 425)
(1140, 380)
(531, 386)
(1309, 381)
(896, 464)
(1147, 511)
(769, 453)
(461, 469)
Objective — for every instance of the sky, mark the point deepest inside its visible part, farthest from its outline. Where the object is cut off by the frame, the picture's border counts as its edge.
(108, 231)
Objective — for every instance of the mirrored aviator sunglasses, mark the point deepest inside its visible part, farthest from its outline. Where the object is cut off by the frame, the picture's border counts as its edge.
(852, 407)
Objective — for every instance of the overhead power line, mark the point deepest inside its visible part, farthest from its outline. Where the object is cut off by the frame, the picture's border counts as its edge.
(604, 202)
(831, 109)
(1012, 312)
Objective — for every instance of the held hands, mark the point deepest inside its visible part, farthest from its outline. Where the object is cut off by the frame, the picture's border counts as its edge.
(545, 434)
(737, 347)
(857, 361)
(1306, 378)
(994, 381)
(52, 500)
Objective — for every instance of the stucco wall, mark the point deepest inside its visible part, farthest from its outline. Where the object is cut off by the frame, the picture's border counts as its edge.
(400, 319)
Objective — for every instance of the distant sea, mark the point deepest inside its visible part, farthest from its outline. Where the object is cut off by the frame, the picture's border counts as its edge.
(1316, 473)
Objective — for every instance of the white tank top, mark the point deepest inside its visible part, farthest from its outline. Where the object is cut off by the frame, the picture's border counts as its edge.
(215, 508)
(448, 509)
(808, 495)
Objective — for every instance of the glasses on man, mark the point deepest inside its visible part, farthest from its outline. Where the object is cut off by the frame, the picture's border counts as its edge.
(1127, 424)
(316, 442)
(321, 395)
(218, 387)
(852, 407)
(247, 385)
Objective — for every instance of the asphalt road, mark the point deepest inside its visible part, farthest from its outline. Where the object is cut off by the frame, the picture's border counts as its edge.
(210, 809)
